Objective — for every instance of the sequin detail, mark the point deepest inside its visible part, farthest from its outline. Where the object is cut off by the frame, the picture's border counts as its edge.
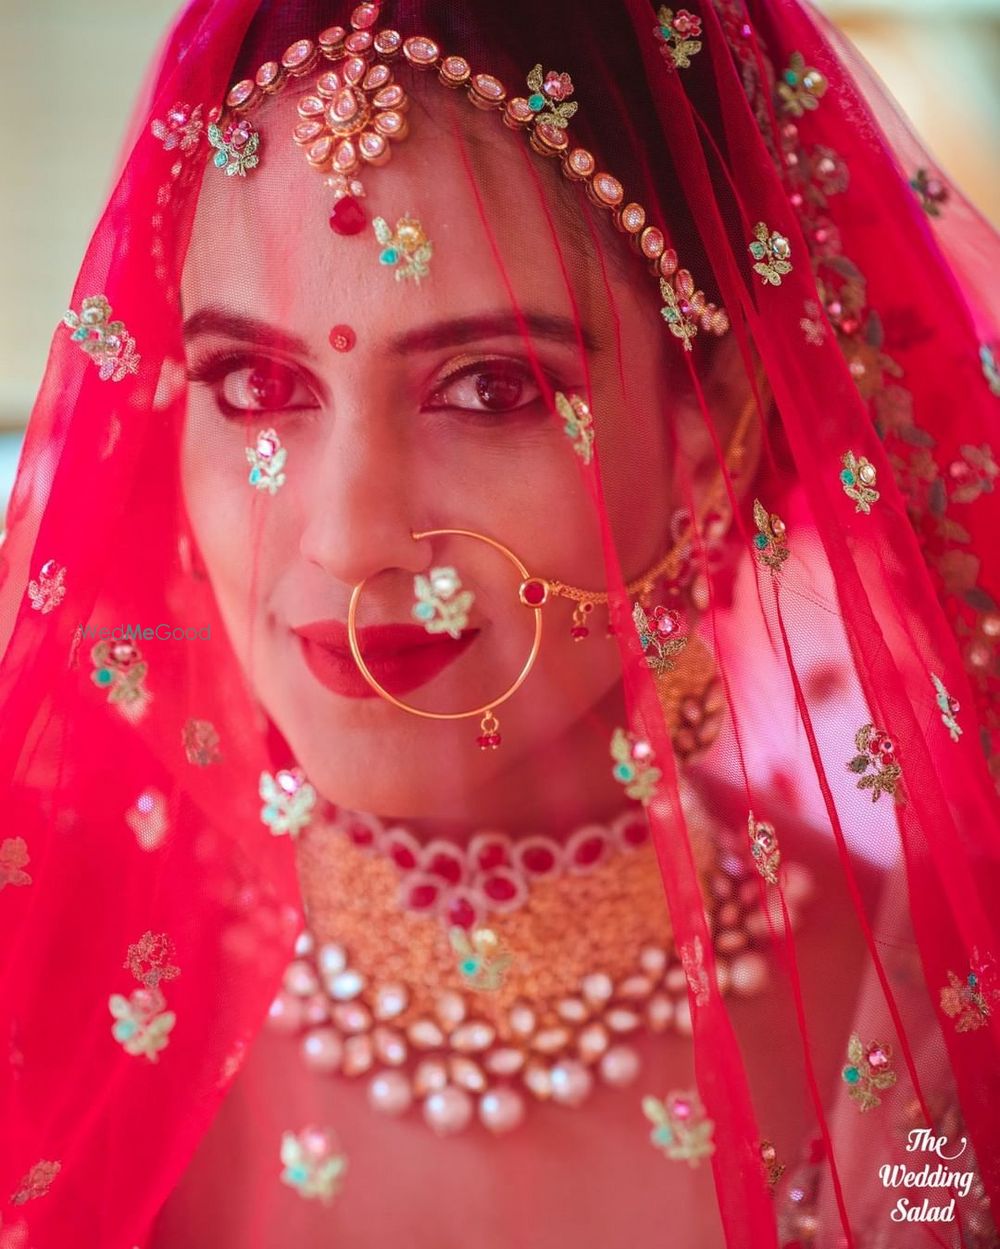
(267, 462)
(773, 1169)
(407, 249)
(801, 87)
(120, 669)
(764, 848)
(482, 959)
(681, 1129)
(931, 191)
(147, 818)
(288, 801)
(868, 1072)
(693, 961)
(142, 1024)
(37, 1182)
(877, 761)
(678, 36)
(948, 707)
(578, 424)
(311, 1164)
(812, 325)
(107, 342)
(772, 253)
(442, 605)
(14, 858)
(49, 590)
(858, 477)
(236, 146)
(635, 765)
(201, 743)
(182, 128)
(770, 541)
(967, 1001)
(686, 309)
(548, 98)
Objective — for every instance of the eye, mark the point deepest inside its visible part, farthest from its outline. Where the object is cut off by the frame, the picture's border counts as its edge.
(486, 385)
(243, 384)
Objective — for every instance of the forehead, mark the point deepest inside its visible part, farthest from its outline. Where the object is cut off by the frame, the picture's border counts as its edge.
(502, 226)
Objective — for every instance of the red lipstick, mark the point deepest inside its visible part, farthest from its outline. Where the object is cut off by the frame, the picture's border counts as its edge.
(401, 657)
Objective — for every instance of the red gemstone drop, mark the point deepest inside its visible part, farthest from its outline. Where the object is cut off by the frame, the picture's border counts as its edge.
(579, 632)
(403, 857)
(538, 860)
(422, 897)
(348, 217)
(491, 856)
(499, 889)
(589, 851)
(461, 913)
(533, 593)
(447, 867)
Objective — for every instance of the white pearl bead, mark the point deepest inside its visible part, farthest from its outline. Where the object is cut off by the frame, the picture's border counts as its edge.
(501, 1109)
(620, 1066)
(285, 1014)
(300, 979)
(390, 1093)
(448, 1111)
(322, 1049)
(571, 1082)
(749, 974)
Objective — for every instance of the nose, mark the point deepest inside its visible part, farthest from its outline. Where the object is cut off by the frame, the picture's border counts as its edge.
(360, 502)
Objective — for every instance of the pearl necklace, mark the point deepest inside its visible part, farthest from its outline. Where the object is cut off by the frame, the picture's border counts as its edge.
(396, 980)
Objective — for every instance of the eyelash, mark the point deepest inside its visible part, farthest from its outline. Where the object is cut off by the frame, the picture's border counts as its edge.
(213, 371)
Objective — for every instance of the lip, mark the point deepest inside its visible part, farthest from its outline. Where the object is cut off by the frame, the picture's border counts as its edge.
(401, 657)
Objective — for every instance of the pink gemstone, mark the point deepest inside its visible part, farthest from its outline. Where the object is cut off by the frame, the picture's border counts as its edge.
(178, 115)
(297, 54)
(499, 888)
(364, 16)
(359, 42)
(391, 96)
(422, 897)
(265, 447)
(372, 145)
(539, 860)
(461, 912)
(447, 866)
(488, 86)
(421, 51)
(533, 593)
(241, 93)
(347, 217)
(388, 42)
(681, 1108)
(877, 1058)
(579, 632)
(123, 653)
(344, 108)
(642, 750)
(289, 781)
(378, 76)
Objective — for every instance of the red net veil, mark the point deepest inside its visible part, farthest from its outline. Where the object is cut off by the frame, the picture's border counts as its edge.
(500, 660)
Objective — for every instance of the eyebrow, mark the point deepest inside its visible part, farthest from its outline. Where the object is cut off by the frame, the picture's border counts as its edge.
(450, 333)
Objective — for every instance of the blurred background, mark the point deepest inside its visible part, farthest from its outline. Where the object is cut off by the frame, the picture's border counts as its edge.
(69, 72)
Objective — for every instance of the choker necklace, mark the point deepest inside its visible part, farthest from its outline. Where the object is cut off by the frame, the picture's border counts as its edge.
(461, 978)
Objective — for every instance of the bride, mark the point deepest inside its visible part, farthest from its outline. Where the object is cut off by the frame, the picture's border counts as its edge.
(500, 654)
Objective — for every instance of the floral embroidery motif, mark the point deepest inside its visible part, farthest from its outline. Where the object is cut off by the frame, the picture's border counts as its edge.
(288, 801)
(408, 250)
(49, 590)
(773, 1169)
(931, 191)
(764, 848)
(120, 669)
(267, 461)
(14, 858)
(680, 1129)
(678, 33)
(968, 1001)
(201, 743)
(974, 474)
(549, 94)
(311, 1164)
(802, 87)
(181, 129)
(659, 636)
(877, 752)
(37, 1182)
(578, 424)
(693, 961)
(107, 343)
(442, 605)
(770, 540)
(142, 1024)
(635, 765)
(812, 325)
(483, 960)
(772, 253)
(949, 708)
(991, 369)
(678, 310)
(869, 1069)
(237, 147)
(858, 478)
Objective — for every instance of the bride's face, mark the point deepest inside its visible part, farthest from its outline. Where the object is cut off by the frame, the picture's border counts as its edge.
(434, 418)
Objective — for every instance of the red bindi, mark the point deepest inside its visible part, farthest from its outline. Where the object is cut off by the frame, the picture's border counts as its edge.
(342, 338)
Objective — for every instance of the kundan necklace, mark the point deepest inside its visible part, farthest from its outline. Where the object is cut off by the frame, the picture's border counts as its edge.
(443, 974)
